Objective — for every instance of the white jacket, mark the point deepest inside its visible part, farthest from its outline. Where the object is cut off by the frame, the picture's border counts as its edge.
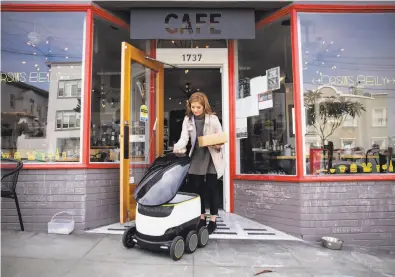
(211, 126)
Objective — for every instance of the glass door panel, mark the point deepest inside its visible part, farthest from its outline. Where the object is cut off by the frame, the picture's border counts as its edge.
(141, 122)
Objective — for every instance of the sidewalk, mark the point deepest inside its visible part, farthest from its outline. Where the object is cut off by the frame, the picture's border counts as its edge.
(93, 255)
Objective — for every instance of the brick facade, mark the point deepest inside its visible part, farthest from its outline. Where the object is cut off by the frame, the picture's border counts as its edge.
(91, 195)
(362, 213)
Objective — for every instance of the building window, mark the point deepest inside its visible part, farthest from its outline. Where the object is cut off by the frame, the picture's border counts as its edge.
(106, 94)
(69, 88)
(350, 121)
(347, 143)
(347, 81)
(41, 52)
(379, 117)
(66, 120)
(265, 114)
(12, 100)
(380, 143)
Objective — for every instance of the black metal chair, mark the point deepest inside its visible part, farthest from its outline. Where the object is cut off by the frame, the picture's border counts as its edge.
(9, 178)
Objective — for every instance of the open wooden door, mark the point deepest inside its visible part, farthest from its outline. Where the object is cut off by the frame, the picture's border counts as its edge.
(141, 124)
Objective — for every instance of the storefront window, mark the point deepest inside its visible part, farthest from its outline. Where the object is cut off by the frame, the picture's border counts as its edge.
(41, 85)
(106, 90)
(265, 129)
(348, 90)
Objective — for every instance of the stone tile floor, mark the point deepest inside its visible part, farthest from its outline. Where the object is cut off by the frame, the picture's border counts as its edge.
(230, 226)
(96, 255)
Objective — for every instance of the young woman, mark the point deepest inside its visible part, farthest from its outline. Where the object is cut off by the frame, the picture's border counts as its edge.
(207, 163)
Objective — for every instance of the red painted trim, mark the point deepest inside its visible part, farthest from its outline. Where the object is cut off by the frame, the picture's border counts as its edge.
(152, 111)
(314, 179)
(277, 178)
(274, 16)
(232, 123)
(110, 17)
(335, 8)
(45, 166)
(343, 8)
(17, 7)
(297, 94)
(349, 178)
(87, 88)
(102, 165)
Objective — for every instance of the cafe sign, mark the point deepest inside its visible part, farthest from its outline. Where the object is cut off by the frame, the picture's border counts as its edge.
(195, 24)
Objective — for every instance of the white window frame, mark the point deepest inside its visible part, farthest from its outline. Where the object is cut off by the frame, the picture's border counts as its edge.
(384, 123)
(342, 140)
(67, 115)
(383, 144)
(68, 93)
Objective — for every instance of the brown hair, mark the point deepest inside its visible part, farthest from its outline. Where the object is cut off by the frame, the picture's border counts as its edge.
(202, 99)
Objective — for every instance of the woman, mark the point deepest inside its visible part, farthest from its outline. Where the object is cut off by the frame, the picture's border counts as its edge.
(207, 163)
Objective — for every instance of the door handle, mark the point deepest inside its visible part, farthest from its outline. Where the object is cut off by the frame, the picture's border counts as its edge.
(126, 143)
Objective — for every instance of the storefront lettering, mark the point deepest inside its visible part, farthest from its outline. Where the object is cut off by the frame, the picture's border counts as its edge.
(186, 23)
(363, 80)
(34, 77)
(191, 57)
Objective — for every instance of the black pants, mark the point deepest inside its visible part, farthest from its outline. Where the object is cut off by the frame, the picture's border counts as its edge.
(199, 185)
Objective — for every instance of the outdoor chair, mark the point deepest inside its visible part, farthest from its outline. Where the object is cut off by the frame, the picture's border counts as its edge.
(9, 178)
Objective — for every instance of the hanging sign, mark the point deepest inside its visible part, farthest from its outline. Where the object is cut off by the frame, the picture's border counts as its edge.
(273, 78)
(143, 113)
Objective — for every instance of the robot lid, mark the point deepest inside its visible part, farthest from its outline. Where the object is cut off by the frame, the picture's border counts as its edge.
(162, 180)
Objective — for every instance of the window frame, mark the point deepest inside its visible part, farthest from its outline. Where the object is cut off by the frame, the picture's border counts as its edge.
(385, 119)
(79, 82)
(300, 8)
(69, 114)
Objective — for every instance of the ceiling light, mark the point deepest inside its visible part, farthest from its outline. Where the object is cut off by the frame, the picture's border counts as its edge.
(180, 102)
(172, 41)
(23, 62)
(35, 65)
(305, 62)
(67, 57)
(332, 42)
(334, 67)
(338, 55)
(38, 69)
(66, 49)
(47, 42)
(34, 53)
(323, 42)
(342, 49)
(169, 98)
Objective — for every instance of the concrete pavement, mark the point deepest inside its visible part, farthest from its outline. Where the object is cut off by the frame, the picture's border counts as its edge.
(94, 255)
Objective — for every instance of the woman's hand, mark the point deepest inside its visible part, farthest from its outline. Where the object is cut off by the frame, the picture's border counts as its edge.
(179, 150)
(217, 147)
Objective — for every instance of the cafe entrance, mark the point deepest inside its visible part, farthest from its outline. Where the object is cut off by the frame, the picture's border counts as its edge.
(142, 113)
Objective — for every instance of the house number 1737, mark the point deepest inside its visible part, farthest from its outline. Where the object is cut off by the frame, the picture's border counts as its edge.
(191, 57)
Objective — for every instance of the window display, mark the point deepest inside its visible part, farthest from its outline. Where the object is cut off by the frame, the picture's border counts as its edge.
(41, 85)
(265, 132)
(348, 86)
(106, 92)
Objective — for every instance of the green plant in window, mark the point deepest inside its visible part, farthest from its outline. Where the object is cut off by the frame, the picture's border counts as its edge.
(327, 113)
